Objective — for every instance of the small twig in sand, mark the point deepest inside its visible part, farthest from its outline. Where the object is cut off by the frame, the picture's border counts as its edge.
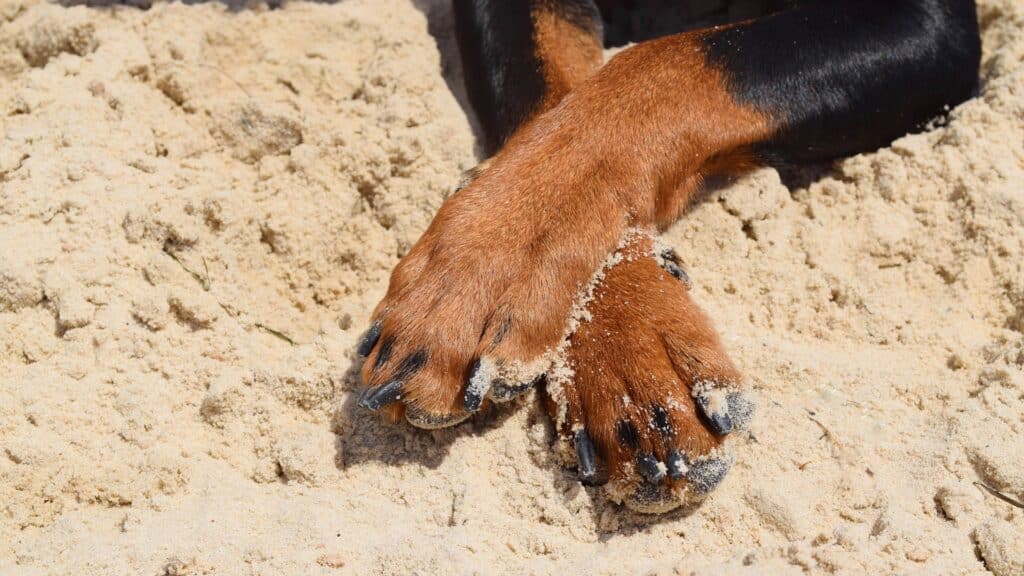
(204, 282)
(1000, 495)
(828, 433)
(277, 333)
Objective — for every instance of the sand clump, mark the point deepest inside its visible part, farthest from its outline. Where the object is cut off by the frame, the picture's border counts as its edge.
(186, 189)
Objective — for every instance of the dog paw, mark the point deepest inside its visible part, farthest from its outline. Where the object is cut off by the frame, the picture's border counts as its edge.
(475, 311)
(647, 394)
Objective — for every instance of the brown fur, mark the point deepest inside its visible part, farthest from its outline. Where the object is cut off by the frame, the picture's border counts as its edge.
(647, 344)
(568, 54)
(496, 272)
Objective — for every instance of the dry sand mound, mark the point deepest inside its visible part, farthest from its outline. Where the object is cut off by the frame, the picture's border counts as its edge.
(185, 189)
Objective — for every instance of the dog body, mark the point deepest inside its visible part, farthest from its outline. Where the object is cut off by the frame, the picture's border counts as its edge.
(583, 153)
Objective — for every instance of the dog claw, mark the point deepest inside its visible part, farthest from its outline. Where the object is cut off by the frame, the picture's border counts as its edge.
(370, 339)
(676, 464)
(585, 455)
(650, 468)
(477, 388)
(671, 265)
(726, 411)
(677, 271)
(376, 398)
(721, 422)
(715, 406)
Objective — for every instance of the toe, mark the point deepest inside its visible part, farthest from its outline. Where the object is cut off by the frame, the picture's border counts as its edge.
(635, 456)
(387, 370)
(742, 406)
(403, 378)
(725, 410)
(500, 380)
(705, 474)
(650, 468)
(586, 456)
(370, 339)
(563, 405)
(376, 398)
(434, 396)
(714, 406)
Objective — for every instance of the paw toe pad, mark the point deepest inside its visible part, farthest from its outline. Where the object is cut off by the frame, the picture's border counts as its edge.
(705, 474)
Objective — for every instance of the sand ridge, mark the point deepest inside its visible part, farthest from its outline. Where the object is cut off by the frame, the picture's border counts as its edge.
(199, 208)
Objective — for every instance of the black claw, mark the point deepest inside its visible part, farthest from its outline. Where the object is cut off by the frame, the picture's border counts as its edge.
(384, 354)
(376, 398)
(585, 455)
(628, 435)
(721, 423)
(370, 339)
(720, 419)
(675, 270)
(650, 468)
(676, 464)
(475, 391)
(673, 267)
(472, 401)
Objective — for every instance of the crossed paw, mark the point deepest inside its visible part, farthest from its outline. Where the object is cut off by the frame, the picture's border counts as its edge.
(641, 391)
(647, 394)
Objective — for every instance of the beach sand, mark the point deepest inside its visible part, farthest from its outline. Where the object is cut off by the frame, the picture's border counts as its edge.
(200, 206)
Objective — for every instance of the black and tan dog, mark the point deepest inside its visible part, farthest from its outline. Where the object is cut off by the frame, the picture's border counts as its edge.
(583, 153)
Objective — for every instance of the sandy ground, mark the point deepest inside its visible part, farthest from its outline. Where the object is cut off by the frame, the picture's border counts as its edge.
(185, 189)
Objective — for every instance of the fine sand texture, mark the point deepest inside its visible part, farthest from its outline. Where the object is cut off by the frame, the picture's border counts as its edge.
(200, 205)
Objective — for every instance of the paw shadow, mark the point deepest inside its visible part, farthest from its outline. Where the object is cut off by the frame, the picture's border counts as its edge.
(362, 436)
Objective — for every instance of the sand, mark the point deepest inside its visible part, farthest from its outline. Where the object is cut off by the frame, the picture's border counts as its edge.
(199, 208)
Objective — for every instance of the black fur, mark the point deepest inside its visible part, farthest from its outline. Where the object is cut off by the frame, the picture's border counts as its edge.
(846, 76)
(628, 21)
(837, 76)
(501, 68)
(499, 57)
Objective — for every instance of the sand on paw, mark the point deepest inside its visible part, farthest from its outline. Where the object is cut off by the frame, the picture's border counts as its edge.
(201, 204)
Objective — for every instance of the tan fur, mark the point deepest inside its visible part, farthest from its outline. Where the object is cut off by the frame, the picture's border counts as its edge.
(568, 54)
(647, 344)
(507, 254)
